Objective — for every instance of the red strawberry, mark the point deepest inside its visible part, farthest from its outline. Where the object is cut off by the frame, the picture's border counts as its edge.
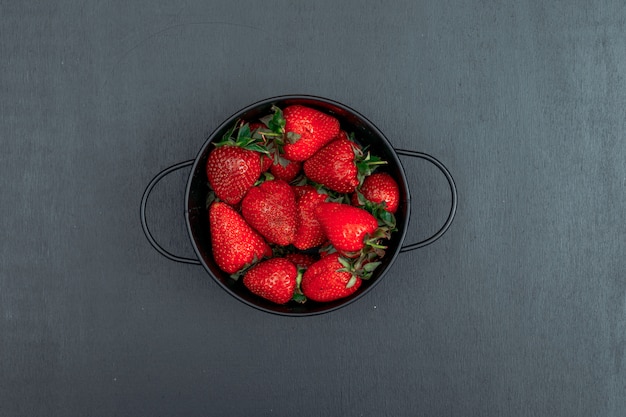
(286, 172)
(380, 188)
(273, 279)
(334, 166)
(328, 279)
(306, 131)
(346, 227)
(301, 260)
(340, 165)
(301, 190)
(235, 165)
(231, 171)
(270, 208)
(309, 233)
(235, 245)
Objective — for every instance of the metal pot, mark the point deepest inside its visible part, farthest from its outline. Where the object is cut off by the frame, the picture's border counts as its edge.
(197, 217)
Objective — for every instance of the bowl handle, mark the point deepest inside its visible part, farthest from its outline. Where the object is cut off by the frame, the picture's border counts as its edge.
(448, 222)
(144, 223)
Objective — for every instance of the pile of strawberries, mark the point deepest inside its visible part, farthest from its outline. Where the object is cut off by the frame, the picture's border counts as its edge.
(295, 207)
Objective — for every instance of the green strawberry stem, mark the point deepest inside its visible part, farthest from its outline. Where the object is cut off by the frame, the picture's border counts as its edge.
(269, 134)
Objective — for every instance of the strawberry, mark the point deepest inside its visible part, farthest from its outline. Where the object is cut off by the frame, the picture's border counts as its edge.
(301, 190)
(347, 227)
(379, 188)
(341, 165)
(285, 170)
(235, 164)
(270, 208)
(235, 244)
(231, 171)
(309, 233)
(273, 279)
(301, 260)
(306, 130)
(328, 280)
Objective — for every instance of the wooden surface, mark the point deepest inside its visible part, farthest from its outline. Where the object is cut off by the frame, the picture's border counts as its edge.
(519, 310)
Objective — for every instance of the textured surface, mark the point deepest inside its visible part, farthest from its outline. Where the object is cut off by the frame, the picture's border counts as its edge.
(519, 310)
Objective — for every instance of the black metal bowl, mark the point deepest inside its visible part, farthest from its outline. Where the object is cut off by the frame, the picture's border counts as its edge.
(366, 134)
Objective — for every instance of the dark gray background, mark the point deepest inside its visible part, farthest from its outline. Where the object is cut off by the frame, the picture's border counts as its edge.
(519, 310)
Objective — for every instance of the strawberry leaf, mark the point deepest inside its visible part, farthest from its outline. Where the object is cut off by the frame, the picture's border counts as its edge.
(244, 133)
(375, 244)
(228, 136)
(379, 211)
(367, 165)
(245, 138)
(352, 281)
(299, 298)
(266, 176)
(275, 122)
(327, 249)
(361, 200)
(387, 218)
(300, 180)
(210, 198)
(370, 267)
(379, 252)
(299, 278)
(281, 161)
(345, 263)
(292, 137)
(266, 120)
(258, 148)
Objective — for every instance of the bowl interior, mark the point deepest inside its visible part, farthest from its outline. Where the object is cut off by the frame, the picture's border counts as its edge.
(197, 188)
